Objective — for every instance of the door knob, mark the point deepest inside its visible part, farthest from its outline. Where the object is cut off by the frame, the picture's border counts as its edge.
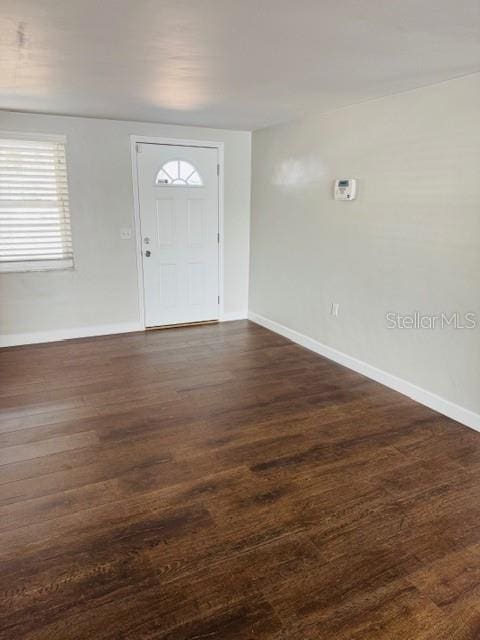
(148, 254)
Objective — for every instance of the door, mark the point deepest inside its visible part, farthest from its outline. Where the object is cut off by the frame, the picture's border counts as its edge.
(178, 195)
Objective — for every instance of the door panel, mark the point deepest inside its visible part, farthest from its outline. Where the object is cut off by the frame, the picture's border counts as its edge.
(165, 223)
(196, 283)
(195, 224)
(168, 286)
(179, 228)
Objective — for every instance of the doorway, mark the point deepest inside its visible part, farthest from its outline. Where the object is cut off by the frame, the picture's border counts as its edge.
(178, 210)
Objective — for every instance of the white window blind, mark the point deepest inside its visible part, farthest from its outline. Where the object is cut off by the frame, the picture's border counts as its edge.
(35, 229)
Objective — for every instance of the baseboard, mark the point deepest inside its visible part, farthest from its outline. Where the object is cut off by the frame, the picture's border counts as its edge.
(17, 339)
(234, 315)
(11, 340)
(427, 398)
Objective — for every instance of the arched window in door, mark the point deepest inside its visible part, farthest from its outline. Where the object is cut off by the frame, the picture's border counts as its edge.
(178, 173)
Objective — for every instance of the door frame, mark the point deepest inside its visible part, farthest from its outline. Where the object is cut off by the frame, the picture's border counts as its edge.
(176, 142)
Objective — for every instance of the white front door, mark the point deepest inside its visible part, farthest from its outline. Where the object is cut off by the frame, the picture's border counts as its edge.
(178, 194)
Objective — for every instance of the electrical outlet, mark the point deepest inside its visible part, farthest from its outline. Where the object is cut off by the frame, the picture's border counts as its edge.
(126, 233)
(335, 310)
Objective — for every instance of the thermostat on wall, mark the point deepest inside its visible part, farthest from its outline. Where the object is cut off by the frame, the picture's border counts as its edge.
(345, 189)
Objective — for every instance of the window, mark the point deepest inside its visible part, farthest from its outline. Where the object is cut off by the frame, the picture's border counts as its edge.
(34, 217)
(179, 173)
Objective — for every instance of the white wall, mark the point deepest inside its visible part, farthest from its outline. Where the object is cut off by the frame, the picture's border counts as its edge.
(410, 242)
(102, 290)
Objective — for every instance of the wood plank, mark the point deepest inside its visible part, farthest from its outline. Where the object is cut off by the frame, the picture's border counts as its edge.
(221, 482)
(9, 455)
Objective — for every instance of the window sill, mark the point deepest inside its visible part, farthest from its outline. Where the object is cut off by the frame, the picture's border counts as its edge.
(36, 265)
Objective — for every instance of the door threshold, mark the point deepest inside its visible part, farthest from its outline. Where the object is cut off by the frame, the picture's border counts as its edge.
(201, 323)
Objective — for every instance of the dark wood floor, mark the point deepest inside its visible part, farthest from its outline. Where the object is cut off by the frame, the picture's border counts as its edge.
(220, 482)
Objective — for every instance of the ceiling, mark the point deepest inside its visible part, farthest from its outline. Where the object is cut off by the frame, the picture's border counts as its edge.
(239, 64)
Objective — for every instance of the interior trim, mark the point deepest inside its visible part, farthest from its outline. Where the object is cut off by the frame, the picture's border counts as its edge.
(17, 339)
(427, 398)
